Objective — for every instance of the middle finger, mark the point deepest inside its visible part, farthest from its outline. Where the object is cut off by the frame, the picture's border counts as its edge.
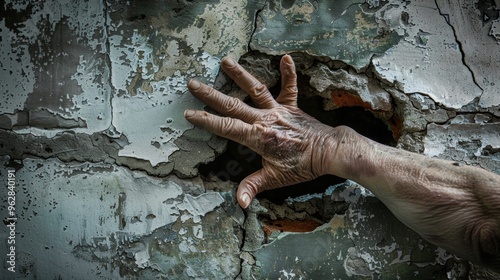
(258, 92)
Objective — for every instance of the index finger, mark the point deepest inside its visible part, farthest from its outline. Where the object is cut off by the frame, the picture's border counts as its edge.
(226, 105)
(258, 92)
(227, 127)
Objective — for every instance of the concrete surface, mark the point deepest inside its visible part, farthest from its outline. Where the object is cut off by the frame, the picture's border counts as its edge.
(111, 182)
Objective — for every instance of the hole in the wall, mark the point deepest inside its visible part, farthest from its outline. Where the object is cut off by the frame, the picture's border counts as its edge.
(238, 161)
(137, 17)
(359, 119)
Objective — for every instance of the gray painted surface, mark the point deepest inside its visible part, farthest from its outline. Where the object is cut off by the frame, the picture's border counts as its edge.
(106, 168)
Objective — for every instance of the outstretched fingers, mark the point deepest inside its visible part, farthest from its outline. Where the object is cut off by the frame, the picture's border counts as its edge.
(289, 90)
(258, 92)
(231, 128)
(226, 105)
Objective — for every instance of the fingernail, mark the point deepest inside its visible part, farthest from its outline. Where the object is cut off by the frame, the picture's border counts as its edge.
(288, 59)
(229, 61)
(246, 200)
(194, 84)
(189, 113)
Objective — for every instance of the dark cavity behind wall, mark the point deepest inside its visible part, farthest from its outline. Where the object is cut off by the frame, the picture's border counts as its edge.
(238, 161)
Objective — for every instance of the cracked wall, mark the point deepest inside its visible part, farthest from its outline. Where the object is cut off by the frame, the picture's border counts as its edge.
(107, 181)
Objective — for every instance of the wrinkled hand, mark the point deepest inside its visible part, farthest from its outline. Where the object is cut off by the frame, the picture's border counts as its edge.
(293, 145)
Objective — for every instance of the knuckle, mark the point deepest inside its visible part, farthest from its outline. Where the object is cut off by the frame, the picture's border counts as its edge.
(253, 186)
(227, 124)
(258, 129)
(210, 92)
(237, 72)
(271, 117)
(205, 117)
(231, 105)
(259, 89)
(255, 133)
(291, 89)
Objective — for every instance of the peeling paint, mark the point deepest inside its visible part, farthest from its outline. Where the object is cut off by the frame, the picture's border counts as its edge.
(77, 207)
(435, 68)
(150, 69)
(469, 143)
(340, 30)
(76, 39)
(92, 95)
(495, 30)
(342, 249)
(472, 29)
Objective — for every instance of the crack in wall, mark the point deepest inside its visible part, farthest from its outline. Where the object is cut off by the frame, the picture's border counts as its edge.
(345, 10)
(108, 63)
(459, 43)
(225, 231)
(254, 24)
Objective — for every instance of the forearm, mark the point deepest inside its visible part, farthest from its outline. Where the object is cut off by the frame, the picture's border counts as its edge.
(453, 206)
(456, 207)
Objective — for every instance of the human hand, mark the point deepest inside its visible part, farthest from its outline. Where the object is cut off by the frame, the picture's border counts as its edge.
(294, 146)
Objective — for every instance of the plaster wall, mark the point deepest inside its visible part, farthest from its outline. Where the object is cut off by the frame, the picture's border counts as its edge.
(107, 171)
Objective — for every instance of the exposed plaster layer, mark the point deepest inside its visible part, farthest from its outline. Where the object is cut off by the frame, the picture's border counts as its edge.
(101, 87)
(143, 53)
(52, 62)
(341, 30)
(465, 142)
(78, 218)
(341, 248)
(344, 89)
(104, 147)
(428, 60)
(495, 29)
(476, 26)
(186, 251)
(154, 50)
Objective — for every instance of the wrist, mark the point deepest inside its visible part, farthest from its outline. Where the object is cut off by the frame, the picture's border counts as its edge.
(342, 146)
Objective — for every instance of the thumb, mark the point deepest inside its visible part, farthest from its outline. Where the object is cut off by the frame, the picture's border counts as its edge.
(252, 185)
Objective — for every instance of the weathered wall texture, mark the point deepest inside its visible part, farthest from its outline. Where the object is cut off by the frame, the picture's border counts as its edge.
(107, 169)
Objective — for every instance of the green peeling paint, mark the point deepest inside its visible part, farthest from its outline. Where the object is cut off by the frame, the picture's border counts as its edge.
(340, 30)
